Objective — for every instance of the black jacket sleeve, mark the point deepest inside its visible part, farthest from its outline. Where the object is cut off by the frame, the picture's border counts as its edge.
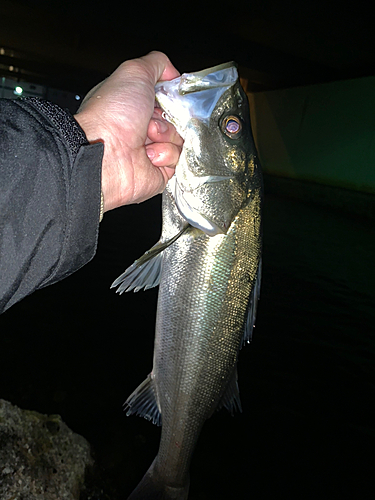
(50, 182)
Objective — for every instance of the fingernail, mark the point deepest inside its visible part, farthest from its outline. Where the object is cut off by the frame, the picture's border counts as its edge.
(161, 126)
(150, 153)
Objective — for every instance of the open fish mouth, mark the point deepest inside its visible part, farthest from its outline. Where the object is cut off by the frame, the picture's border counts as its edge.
(194, 94)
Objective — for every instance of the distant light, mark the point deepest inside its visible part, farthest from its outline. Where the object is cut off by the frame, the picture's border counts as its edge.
(2, 51)
(18, 90)
(11, 68)
(78, 97)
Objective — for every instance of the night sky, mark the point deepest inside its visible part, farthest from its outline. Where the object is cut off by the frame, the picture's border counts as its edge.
(276, 44)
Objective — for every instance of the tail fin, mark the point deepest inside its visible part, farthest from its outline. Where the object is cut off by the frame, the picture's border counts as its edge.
(152, 488)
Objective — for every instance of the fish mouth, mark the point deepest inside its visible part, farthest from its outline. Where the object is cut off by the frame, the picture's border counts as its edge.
(184, 202)
(194, 95)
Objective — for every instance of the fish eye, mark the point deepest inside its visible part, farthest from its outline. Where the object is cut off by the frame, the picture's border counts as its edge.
(232, 126)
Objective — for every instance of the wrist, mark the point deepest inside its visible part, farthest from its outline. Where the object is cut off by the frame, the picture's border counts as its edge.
(110, 183)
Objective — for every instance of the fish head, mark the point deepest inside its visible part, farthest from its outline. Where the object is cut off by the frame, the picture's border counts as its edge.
(214, 174)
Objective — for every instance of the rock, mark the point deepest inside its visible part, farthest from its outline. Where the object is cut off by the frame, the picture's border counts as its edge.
(40, 457)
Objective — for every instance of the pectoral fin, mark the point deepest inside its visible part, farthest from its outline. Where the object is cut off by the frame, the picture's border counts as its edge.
(145, 272)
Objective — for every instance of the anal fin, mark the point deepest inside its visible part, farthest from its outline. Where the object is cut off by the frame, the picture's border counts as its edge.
(231, 397)
(143, 402)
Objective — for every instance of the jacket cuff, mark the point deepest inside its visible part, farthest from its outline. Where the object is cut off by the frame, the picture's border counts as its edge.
(83, 188)
(84, 210)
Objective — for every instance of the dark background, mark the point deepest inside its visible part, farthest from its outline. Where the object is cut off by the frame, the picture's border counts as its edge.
(307, 380)
(71, 45)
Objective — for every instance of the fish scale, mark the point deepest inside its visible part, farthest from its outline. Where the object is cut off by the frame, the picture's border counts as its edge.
(208, 365)
(207, 262)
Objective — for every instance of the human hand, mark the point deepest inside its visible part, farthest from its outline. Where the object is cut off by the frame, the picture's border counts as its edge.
(141, 149)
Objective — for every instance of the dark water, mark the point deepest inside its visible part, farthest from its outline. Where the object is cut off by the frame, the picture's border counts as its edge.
(307, 380)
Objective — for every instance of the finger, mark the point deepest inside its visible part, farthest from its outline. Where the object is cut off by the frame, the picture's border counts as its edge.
(158, 112)
(159, 66)
(163, 154)
(158, 115)
(160, 130)
(152, 178)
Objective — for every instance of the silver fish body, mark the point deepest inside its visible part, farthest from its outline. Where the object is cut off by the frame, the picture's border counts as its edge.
(209, 275)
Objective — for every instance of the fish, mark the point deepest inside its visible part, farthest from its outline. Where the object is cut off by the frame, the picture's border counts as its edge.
(207, 265)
